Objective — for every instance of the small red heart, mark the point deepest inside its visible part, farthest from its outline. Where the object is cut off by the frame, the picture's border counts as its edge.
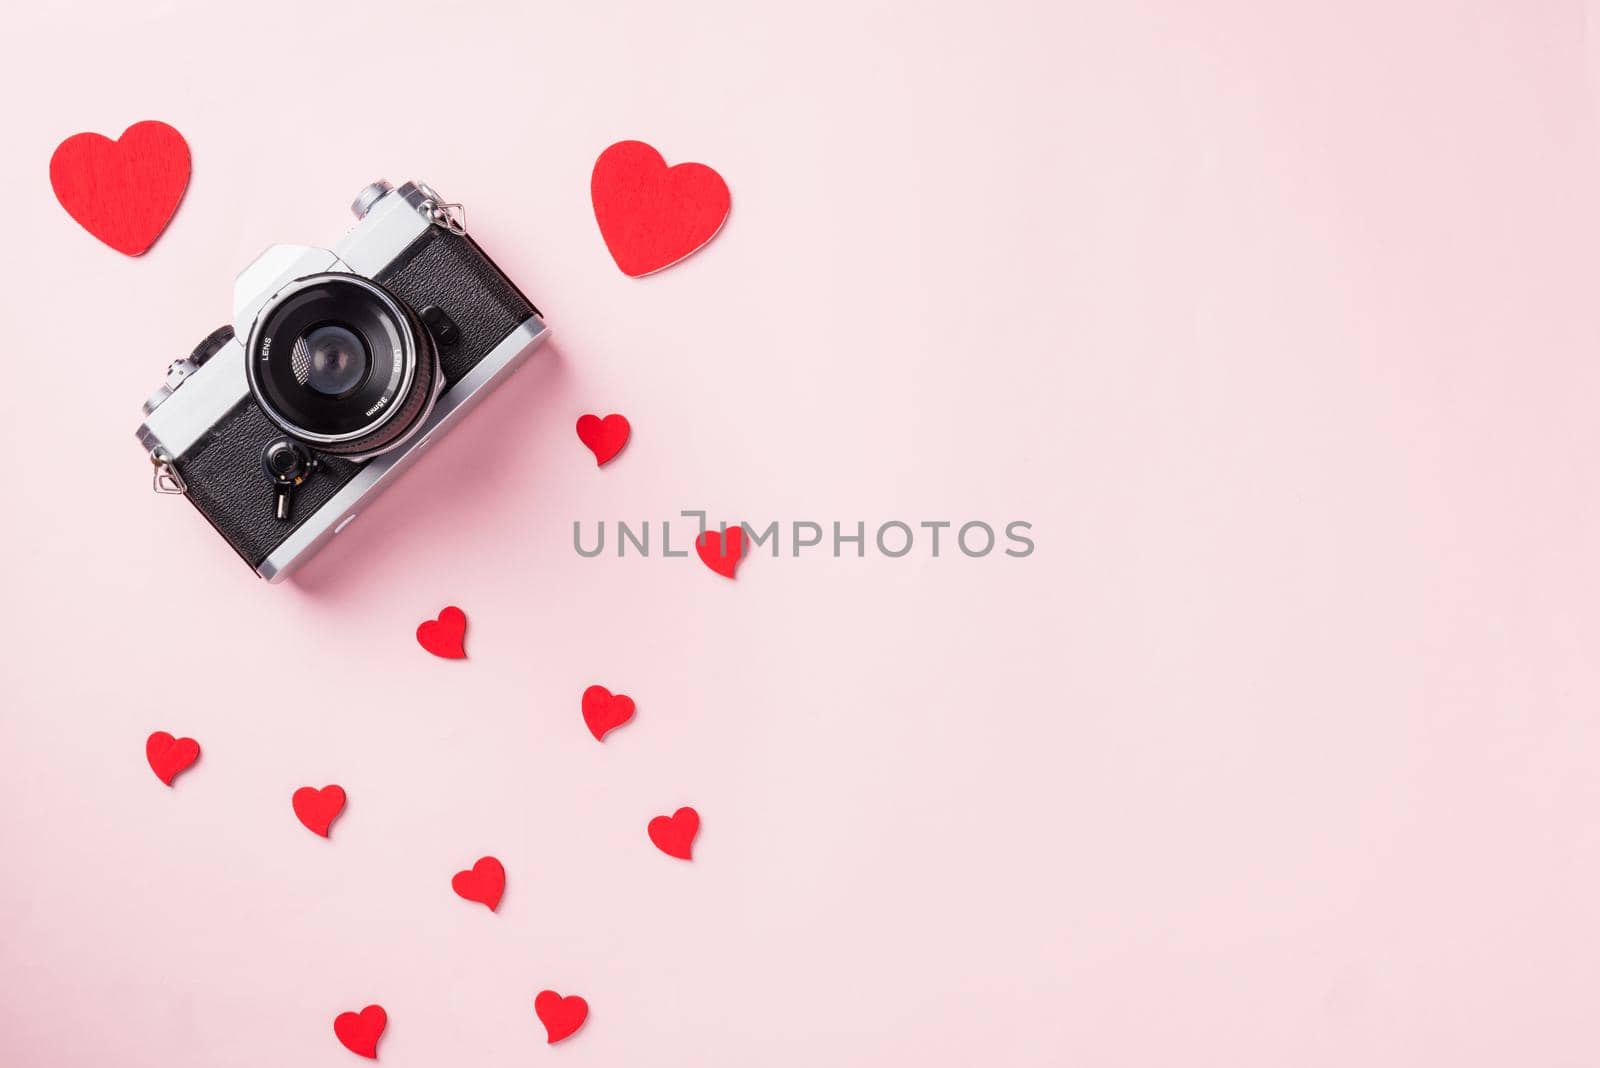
(560, 1016)
(360, 1031)
(604, 437)
(444, 637)
(651, 215)
(168, 755)
(317, 809)
(125, 191)
(723, 560)
(674, 834)
(484, 882)
(604, 712)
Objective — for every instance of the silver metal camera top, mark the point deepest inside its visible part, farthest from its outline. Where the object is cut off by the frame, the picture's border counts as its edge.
(390, 220)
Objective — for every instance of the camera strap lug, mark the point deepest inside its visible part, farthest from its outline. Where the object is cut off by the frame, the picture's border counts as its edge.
(451, 217)
(166, 478)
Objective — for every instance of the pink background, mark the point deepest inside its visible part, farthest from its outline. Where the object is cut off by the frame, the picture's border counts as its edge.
(1279, 326)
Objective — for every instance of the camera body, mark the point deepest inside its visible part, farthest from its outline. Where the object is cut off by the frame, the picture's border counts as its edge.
(339, 367)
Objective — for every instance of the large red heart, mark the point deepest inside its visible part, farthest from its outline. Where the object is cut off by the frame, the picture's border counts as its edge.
(125, 191)
(560, 1016)
(168, 755)
(360, 1031)
(318, 808)
(724, 560)
(603, 711)
(651, 215)
(604, 437)
(484, 882)
(674, 834)
(445, 636)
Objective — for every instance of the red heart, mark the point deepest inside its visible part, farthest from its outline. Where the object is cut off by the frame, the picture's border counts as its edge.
(674, 834)
(168, 755)
(560, 1016)
(605, 437)
(125, 191)
(712, 553)
(444, 636)
(483, 883)
(360, 1031)
(651, 215)
(604, 712)
(318, 808)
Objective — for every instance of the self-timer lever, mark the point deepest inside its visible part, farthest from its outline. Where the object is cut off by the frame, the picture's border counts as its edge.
(288, 464)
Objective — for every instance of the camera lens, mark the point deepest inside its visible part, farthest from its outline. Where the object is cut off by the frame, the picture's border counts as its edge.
(330, 359)
(337, 361)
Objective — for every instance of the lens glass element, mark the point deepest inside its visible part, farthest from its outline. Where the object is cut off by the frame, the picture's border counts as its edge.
(331, 359)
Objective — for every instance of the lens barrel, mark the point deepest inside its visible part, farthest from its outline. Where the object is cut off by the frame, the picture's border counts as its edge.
(338, 362)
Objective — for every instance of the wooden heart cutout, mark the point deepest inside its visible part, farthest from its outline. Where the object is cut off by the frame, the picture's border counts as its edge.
(360, 1031)
(604, 711)
(561, 1016)
(721, 552)
(604, 437)
(674, 834)
(168, 755)
(445, 637)
(484, 882)
(651, 215)
(126, 191)
(317, 809)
